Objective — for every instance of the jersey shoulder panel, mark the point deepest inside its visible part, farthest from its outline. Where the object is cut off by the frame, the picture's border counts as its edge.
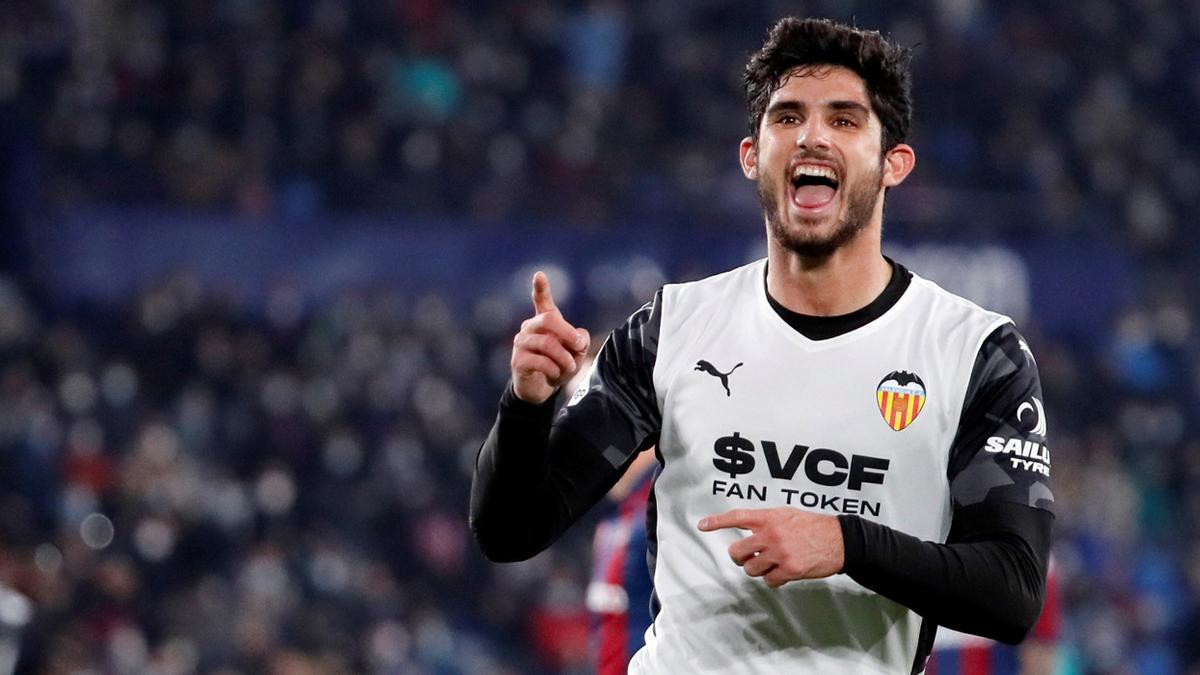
(955, 310)
(687, 299)
(957, 326)
(690, 308)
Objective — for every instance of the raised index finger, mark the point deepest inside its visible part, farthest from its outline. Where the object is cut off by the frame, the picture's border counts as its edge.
(746, 519)
(543, 301)
(553, 322)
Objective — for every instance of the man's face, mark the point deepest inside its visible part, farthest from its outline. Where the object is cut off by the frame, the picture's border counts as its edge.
(818, 161)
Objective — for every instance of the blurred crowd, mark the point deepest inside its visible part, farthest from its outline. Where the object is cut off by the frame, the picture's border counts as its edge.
(1064, 116)
(188, 486)
(185, 489)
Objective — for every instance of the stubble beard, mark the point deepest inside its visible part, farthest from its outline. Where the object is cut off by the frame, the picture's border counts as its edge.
(860, 205)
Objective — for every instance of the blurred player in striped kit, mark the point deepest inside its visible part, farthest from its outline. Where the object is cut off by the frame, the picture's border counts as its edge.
(618, 597)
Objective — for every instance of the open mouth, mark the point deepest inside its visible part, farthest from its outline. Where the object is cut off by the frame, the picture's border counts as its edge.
(813, 186)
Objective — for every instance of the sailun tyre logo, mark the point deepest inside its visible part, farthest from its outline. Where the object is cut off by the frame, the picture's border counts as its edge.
(1039, 416)
(901, 396)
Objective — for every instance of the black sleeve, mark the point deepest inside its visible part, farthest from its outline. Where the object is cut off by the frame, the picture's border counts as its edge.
(538, 472)
(989, 577)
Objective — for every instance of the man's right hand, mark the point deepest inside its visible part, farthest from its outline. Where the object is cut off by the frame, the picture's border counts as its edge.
(547, 351)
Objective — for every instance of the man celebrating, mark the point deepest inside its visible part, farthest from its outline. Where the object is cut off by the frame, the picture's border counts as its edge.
(849, 456)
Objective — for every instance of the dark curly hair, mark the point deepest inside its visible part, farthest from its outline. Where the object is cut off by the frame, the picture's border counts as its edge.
(808, 43)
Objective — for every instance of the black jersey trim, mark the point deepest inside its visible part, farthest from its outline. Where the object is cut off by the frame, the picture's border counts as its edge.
(826, 327)
(652, 539)
(620, 409)
(1003, 381)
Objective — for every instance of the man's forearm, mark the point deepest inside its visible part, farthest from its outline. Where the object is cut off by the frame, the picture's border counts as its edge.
(531, 482)
(988, 580)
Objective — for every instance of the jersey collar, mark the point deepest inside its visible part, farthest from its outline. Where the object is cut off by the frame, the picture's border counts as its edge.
(825, 327)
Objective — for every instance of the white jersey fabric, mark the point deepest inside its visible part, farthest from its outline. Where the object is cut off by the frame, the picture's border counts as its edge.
(755, 415)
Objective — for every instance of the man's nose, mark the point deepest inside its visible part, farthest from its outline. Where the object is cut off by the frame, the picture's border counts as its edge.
(813, 136)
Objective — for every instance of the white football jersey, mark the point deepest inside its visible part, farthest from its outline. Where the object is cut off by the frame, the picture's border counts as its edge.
(749, 413)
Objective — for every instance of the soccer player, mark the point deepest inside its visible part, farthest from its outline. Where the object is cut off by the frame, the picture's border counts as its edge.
(849, 456)
(618, 595)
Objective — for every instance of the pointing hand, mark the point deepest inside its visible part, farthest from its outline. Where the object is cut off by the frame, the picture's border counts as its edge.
(786, 544)
(547, 351)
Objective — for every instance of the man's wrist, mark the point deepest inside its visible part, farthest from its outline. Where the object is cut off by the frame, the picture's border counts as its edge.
(511, 404)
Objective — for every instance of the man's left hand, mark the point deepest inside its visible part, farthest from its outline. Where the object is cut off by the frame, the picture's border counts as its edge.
(785, 544)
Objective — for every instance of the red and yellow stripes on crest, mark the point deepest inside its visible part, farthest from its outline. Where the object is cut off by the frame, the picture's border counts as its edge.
(899, 408)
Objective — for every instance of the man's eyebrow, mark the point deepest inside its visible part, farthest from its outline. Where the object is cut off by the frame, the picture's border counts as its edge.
(849, 105)
(785, 104)
(839, 105)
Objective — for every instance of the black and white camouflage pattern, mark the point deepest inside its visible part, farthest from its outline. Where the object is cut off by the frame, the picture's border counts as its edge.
(1004, 399)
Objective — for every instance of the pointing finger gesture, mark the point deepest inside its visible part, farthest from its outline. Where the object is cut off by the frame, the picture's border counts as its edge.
(547, 350)
(786, 544)
(543, 299)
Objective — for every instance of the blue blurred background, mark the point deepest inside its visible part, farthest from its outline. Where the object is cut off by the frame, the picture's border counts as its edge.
(261, 262)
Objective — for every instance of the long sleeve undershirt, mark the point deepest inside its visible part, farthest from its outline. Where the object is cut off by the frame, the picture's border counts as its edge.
(531, 484)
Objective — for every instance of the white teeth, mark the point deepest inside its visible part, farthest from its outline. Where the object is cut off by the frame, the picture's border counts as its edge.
(814, 170)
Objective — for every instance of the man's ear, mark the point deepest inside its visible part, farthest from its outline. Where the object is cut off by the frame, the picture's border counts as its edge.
(748, 154)
(897, 164)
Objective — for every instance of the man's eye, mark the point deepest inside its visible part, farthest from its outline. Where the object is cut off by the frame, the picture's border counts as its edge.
(788, 119)
(844, 122)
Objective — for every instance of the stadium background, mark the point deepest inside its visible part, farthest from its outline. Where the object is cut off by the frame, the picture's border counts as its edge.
(262, 260)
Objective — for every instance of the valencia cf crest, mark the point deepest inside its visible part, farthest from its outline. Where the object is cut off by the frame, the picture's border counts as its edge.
(901, 395)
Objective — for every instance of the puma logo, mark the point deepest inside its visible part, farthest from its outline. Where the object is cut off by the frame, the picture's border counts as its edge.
(709, 368)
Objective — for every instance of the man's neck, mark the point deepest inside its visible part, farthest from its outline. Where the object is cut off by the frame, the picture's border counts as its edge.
(847, 280)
